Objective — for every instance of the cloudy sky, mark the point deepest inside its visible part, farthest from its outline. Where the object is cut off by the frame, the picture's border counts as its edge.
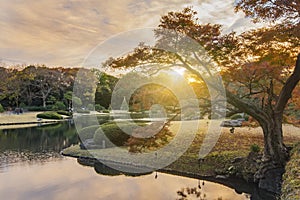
(63, 32)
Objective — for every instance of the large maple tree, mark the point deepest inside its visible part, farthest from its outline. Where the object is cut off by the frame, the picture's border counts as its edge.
(260, 68)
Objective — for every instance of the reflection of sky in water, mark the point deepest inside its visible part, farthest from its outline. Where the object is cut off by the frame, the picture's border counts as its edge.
(66, 179)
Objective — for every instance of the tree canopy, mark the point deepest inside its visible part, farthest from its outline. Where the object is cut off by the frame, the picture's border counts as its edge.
(260, 68)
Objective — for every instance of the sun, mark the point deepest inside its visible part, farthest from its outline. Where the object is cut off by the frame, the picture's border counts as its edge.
(180, 71)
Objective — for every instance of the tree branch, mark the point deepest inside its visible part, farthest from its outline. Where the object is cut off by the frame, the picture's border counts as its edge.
(286, 91)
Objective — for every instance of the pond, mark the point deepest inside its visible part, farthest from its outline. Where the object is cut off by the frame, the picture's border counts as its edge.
(31, 167)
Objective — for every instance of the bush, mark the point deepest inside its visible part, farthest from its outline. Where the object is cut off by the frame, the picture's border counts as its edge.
(88, 132)
(83, 111)
(254, 148)
(98, 107)
(1, 109)
(22, 105)
(59, 106)
(139, 115)
(114, 134)
(236, 116)
(38, 108)
(63, 112)
(103, 119)
(49, 115)
(90, 107)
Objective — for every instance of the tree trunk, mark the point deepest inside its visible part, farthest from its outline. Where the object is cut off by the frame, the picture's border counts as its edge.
(274, 149)
(44, 102)
(269, 176)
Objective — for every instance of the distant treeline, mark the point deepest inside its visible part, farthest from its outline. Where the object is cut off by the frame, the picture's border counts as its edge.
(40, 87)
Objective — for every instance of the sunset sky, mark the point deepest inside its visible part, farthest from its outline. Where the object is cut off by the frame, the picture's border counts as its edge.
(63, 32)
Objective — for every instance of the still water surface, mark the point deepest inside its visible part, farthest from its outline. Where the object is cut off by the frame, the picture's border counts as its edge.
(32, 168)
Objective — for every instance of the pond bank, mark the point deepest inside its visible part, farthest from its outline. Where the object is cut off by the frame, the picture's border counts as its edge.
(231, 156)
(27, 119)
(187, 168)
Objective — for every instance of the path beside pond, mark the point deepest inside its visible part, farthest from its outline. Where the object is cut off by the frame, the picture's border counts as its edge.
(27, 119)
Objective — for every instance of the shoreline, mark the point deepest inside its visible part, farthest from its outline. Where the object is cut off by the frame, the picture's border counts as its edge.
(24, 120)
(236, 183)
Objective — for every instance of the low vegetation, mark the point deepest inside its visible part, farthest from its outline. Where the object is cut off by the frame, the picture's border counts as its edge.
(49, 115)
(62, 112)
(114, 134)
(150, 137)
(1, 109)
(235, 154)
(291, 178)
(88, 132)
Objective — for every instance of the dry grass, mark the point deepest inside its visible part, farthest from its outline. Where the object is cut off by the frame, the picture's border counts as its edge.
(228, 147)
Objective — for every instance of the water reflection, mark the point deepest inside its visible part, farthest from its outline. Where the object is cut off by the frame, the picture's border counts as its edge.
(53, 137)
(32, 168)
(35, 144)
(64, 179)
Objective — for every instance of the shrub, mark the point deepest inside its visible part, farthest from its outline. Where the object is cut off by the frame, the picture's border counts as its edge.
(59, 106)
(90, 107)
(112, 134)
(49, 115)
(88, 132)
(105, 111)
(22, 105)
(254, 148)
(139, 115)
(98, 107)
(236, 116)
(103, 119)
(76, 102)
(151, 137)
(63, 112)
(82, 111)
(38, 108)
(1, 109)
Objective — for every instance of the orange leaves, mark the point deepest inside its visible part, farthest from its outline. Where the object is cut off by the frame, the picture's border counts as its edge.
(271, 10)
(150, 137)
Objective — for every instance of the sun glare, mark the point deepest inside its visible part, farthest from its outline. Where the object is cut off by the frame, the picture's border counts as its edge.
(180, 71)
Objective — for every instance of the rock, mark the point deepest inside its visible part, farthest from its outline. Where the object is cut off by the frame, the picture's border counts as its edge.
(89, 144)
(221, 177)
(237, 159)
(272, 180)
(231, 123)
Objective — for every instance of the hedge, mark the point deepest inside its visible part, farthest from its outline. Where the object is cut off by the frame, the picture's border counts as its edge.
(88, 132)
(49, 115)
(1, 109)
(114, 134)
(63, 112)
(82, 111)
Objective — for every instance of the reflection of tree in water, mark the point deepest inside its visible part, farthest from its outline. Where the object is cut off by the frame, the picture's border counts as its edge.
(38, 139)
(9, 157)
(192, 192)
(111, 170)
(35, 143)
